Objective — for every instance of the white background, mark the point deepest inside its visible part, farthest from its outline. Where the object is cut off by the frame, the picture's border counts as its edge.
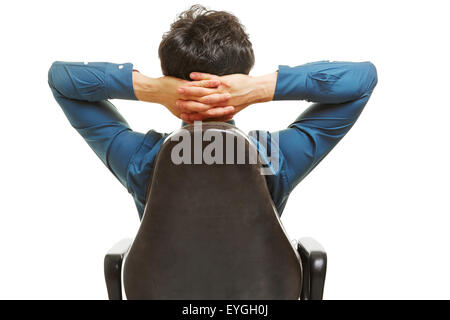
(378, 203)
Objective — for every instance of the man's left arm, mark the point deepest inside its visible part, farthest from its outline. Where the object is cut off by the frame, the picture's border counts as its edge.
(82, 90)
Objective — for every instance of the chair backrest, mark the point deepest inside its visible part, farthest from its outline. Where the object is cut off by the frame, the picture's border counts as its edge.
(210, 231)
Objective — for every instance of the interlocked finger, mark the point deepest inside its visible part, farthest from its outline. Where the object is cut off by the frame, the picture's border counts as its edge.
(192, 106)
(215, 99)
(210, 83)
(195, 91)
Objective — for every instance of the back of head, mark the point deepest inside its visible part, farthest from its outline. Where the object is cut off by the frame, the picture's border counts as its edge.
(209, 41)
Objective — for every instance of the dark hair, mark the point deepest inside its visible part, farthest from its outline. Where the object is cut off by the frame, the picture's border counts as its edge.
(205, 41)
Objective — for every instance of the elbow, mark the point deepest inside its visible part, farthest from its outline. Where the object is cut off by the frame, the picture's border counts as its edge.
(60, 80)
(370, 78)
(52, 78)
(58, 77)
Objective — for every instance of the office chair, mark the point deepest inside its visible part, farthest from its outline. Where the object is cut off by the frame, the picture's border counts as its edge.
(211, 231)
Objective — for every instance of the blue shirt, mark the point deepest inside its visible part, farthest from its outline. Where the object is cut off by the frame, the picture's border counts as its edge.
(339, 91)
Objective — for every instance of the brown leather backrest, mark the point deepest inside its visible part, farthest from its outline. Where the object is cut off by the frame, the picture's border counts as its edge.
(210, 231)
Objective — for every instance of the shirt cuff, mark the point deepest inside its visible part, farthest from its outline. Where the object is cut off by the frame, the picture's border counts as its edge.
(290, 83)
(282, 78)
(119, 81)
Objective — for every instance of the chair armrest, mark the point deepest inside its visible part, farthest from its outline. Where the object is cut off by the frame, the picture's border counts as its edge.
(314, 263)
(113, 268)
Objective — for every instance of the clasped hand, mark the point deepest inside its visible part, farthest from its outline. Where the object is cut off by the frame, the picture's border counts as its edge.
(207, 97)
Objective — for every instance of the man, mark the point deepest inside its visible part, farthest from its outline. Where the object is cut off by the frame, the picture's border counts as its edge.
(212, 49)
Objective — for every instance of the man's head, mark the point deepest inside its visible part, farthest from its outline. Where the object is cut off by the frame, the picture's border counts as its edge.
(206, 41)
